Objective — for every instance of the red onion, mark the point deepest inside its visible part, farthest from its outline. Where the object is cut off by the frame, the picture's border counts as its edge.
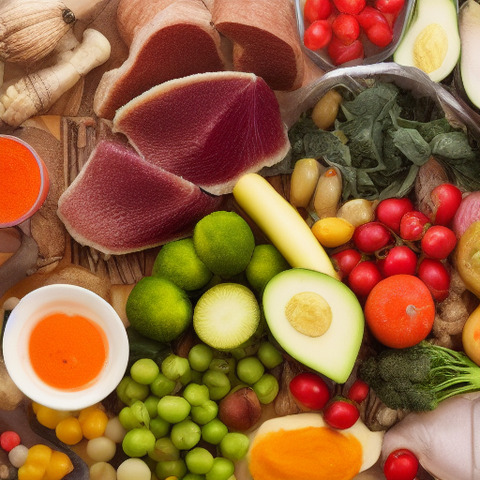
(467, 213)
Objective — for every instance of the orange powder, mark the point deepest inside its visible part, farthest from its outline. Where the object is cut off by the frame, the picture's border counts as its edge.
(67, 351)
(311, 453)
(20, 180)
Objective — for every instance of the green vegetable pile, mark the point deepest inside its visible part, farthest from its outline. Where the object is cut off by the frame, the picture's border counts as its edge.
(381, 138)
(420, 377)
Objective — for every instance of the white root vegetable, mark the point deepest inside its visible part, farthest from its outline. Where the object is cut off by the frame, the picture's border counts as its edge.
(357, 211)
(36, 92)
(328, 193)
(445, 440)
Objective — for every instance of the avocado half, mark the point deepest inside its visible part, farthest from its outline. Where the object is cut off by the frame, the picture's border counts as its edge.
(316, 319)
(431, 41)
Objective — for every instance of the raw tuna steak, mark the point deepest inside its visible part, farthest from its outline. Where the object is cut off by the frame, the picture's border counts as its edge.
(177, 41)
(265, 39)
(207, 128)
(119, 203)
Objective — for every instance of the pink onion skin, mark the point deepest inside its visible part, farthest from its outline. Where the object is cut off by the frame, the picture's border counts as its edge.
(467, 213)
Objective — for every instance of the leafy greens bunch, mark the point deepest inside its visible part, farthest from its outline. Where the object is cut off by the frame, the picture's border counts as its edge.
(381, 137)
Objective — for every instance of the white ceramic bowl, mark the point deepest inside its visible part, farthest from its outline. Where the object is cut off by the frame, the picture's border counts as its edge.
(69, 299)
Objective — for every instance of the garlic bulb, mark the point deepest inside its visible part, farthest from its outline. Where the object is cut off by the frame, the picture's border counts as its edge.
(31, 29)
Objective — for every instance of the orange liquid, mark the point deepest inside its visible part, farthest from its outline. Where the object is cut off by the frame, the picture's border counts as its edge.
(67, 351)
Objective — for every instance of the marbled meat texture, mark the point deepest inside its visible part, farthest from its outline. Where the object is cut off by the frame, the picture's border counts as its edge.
(119, 203)
(207, 128)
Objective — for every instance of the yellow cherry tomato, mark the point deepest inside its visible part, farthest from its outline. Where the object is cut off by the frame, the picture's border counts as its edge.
(31, 471)
(93, 423)
(48, 417)
(332, 232)
(39, 455)
(69, 431)
(59, 466)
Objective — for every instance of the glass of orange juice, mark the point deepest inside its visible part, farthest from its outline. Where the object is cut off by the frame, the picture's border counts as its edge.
(24, 181)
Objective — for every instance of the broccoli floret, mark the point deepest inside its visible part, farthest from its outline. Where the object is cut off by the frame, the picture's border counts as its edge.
(420, 377)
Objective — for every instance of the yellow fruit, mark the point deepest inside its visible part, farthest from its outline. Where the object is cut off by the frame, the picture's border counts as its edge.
(471, 336)
(31, 471)
(69, 431)
(48, 417)
(332, 232)
(59, 466)
(93, 423)
(467, 258)
(39, 455)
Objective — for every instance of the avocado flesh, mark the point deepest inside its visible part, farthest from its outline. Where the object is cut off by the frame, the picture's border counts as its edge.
(431, 41)
(329, 346)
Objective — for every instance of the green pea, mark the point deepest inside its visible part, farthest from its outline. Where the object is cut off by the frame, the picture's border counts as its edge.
(196, 394)
(218, 384)
(266, 388)
(222, 469)
(270, 356)
(234, 446)
(128, 419)
(214, 431)
(185, 435)
(176, 468)
(200, 356)
(250, 370)
(162, 385)
(159, 427)
(128, 390)
(224, 365)
(164, 450)
(199, 460)
(144, 371)
(151, 403)
(173, 409)
(138, 442)
(205, 412)
(175, 368)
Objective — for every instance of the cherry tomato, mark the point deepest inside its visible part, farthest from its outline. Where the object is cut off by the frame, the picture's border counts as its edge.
(9, 439)
(371, 236)
(390, 6)
(317, 10)
(413, 225)
(352, 7)
(369, 17)
(317, 35)
(399, 259)
(446, 199)
(364, 277)
(341, 413)
(391, 210)
(380, 35)
(358, 392)
(436, 277)
(401, 464)
(310, 390)
(345, 260)
(346, 28)
(438, 242)
(340, 53)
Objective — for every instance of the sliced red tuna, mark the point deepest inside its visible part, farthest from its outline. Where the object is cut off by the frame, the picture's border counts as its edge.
(177, 41)
(119, 203)
(265, 39)
(207, 128)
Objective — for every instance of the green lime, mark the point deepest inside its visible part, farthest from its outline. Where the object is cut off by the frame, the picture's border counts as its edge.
(224, 242)
(179, 262)
(159, 309)
(266, 262)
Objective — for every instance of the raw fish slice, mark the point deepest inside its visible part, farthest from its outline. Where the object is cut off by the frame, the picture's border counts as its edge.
(180, 40)
(119, 203)
(265, 37)
(207, 128)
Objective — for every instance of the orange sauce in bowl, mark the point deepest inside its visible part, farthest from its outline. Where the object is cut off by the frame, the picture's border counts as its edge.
(67, 351)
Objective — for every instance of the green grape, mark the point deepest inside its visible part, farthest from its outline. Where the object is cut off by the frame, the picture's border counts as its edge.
(176, 468)
(144, 371)
(199, 460)
(176, 368)
(200, 356)
(205, 412)
(162, 385)
(218, 384)
(234, 446)
(185, 435)
(164, 450)
(250, 370)
(222, 469)
(138, 442)
(270, 356)
(173, 409)
(196, 394)
(159, 427)
(151, 403)
(266, 388)
(214, 431)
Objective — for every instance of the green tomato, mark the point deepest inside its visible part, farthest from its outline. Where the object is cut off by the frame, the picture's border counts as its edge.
(138, 442)
(185, 435)
(173, 409)
(199, 460)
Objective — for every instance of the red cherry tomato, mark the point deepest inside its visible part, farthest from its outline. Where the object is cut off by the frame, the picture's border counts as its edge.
(390, 6)
(438, 242)
(363, 278)
(401, 464)
(317, 10)
(391, 210)
(369, 17)
(318, 35)
(436, 277)
(340, 53)
(358, 392)
(353, 7)
(413, 225)
(399, 259)
(310, 390)
(346, 28)
(380, 35)
(446, 199)
(345, 260)
(341, 413)
(9, 440)
(371, 236)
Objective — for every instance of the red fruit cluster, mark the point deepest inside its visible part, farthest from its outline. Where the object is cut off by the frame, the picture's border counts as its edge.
(403, 240)
(337, 25)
